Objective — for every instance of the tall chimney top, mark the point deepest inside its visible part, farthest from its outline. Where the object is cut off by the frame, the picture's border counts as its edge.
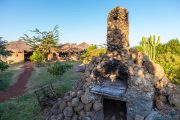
(118, 30)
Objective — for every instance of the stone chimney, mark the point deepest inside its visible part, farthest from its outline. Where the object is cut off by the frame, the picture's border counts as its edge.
(118, 31)
(116, 88)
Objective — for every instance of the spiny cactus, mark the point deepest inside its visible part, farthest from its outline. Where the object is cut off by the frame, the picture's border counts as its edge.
(149, 46)
(154, 43)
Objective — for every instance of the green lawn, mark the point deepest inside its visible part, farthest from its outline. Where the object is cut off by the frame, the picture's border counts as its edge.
(26, 107)
(10, 76)
(22, 108)
(41, 77)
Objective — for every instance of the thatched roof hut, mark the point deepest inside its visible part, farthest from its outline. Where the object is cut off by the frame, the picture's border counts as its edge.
(83, 46)
(18, 46)
(72, 47)
(21, 51)
(72, 51)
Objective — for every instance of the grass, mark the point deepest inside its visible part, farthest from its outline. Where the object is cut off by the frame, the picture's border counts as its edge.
(26, 107)
(41, 77)
(22, 108)
(10, 76)
(6, 79)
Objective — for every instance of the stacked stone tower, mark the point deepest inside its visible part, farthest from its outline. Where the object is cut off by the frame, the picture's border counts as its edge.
(118, 31)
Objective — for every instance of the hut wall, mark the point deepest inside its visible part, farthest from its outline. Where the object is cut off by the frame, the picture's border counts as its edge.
(15, 58)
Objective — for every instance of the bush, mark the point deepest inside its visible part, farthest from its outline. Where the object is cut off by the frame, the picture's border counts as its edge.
(3, 53)
(173, 47)
(3, 66)
(86, 54)
(38, 57)
(168, 56)
(139, 48)
(58, 68)
(171, 65)
(92, 52)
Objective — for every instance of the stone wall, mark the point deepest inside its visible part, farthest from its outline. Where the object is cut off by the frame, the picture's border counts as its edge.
(149, 95)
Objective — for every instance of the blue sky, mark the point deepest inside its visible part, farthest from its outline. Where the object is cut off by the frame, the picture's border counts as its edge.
(85, 20)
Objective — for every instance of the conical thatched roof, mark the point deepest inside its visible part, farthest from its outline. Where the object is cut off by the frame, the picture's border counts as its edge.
(72, 47)
(83, 46)
(18, 46)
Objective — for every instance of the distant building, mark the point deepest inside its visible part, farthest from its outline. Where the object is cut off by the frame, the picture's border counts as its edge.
(21, 52)
(71, 51)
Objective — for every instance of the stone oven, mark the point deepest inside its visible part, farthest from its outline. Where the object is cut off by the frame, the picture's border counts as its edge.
(112, 75)
(121, 84)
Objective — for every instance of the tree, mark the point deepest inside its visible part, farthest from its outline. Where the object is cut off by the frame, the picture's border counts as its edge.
(43, 41)
(3, 53)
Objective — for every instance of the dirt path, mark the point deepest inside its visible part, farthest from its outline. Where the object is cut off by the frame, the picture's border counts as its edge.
(19, 87)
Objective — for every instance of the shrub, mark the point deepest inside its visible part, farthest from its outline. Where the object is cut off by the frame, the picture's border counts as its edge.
(3, 53)
(58, 68)
(139, 48)
(92, 52)
(37, 57)
(3, 66)
(173, 46)
(171, 65)
(88, 50)
(168, 56)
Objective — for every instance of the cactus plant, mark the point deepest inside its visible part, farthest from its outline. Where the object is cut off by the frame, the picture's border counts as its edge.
(149, 46)
(154, 43)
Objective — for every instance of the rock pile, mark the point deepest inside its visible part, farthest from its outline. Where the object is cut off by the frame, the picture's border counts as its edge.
(124, 75)
(146, 87)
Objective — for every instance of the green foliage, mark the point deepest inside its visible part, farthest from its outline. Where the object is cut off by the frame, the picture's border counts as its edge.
(3, 52)
(149, 46)
(91, 52)
(96, 52)
(58, 68)
(167, 55)
(37, 57)
(139, 48)
(173, 46)
(43, 41)
(171, 65)
(88, 50)
(3, 66)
